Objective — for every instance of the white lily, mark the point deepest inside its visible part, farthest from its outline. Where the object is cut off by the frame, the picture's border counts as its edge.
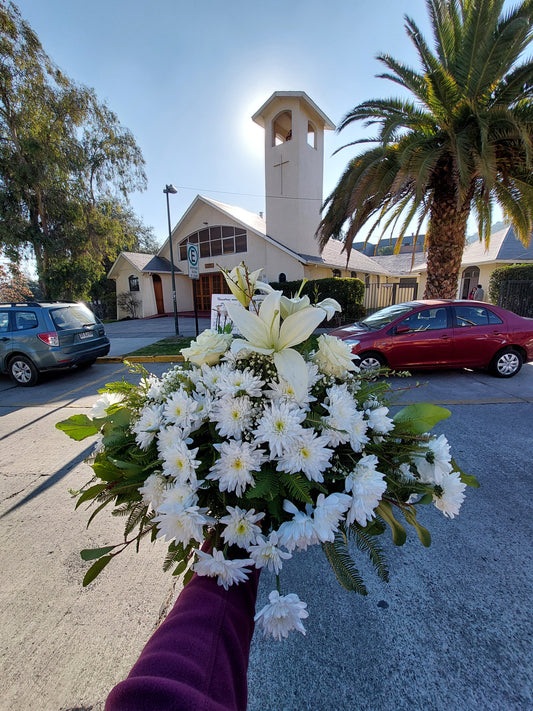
(330, 306)
(266, 333)
(242, 283)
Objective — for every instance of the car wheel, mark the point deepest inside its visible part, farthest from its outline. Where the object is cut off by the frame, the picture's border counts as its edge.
(506, 363)
(22, 371)
(371, 361)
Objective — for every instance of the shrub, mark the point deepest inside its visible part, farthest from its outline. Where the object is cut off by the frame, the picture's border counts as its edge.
(521, 272)
(348, 292)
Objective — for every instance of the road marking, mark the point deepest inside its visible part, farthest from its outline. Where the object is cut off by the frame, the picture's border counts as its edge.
(86, 385)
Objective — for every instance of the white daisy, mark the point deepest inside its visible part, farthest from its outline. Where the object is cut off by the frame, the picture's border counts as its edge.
(282, 391)
(298, 533)
(180, 409)
(266, 553)
(281, 615)
(227, 572)
(167, 436)
(367, 486)
(152, 490)
(179, 494)
(179, 462)
(233, 416)
(307, 453)
(154, 388)
(183, 524)
(241, 381)
(434, 461)
(449, 494)
(279, 425)
(147, 425)
(328, 513)
(406, 473)
(357, 428)
(213, 375)
(378, 420)
(233, 469)
(241, 528)
(100, 407)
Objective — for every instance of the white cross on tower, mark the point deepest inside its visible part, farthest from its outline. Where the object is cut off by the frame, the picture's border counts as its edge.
(280, 166)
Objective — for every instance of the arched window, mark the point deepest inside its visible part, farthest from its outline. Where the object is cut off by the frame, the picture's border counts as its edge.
(134, 282)
(311, 135)
(336, 272)
(216, 240)
(469, 279)
(282, 128)
(353, 275)
(282, 278)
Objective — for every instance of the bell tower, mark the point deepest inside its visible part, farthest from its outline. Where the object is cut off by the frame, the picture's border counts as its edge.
(294, 168)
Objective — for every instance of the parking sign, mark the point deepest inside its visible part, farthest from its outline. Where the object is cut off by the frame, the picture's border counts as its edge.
(192, 259)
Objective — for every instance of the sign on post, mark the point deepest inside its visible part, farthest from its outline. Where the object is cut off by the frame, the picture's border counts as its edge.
(192, 259)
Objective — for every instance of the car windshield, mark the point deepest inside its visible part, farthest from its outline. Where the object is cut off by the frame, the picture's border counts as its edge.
(384, 316)
(75, 316)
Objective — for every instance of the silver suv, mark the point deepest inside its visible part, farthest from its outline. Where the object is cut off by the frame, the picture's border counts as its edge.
(38, 336)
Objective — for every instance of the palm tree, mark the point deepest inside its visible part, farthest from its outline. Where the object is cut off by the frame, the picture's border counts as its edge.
(462, 143)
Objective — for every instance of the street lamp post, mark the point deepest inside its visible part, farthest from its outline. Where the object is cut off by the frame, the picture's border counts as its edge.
(171, 190)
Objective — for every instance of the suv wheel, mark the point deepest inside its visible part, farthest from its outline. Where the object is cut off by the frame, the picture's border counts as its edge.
(22, 371)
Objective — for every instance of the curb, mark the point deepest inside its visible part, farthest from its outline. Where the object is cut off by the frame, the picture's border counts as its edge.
(141, 359)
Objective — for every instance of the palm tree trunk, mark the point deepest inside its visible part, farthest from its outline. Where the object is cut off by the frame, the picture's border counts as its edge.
(445, 243)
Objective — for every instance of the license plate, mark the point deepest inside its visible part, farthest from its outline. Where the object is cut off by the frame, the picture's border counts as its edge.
(86, 334)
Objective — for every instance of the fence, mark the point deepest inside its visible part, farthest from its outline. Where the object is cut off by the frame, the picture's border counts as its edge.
(377, 296)
(517, 296)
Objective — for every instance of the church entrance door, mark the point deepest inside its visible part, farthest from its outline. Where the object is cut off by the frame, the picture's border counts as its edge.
(209, 284)
(158, 292)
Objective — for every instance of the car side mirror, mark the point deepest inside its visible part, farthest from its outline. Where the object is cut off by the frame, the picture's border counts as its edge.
(402, 328)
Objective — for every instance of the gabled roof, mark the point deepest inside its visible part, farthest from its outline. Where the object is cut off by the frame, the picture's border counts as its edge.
(259, 118)
(401, 264)
(146, 263)
(333, 256)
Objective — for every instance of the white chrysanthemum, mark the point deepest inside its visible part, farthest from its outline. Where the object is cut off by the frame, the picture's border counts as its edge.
(179, 462)
(281, 615)
(279, 425)
(180, 523)
(167, 436)
(180, 409)
(342, 410)
(241, 381)
(213, 375)
(152, 490)
(154, 388)
(99, 409)
(266, 553)
(367, 486)
(203, 410)
(334, 357)
(328, 513)
(227, 572)
(452, 496)
(147, 425)
(233, 469)
(179, 495)
(434, 461)
(300, 532)
(406, 472)
(378, 420)
(307, 453)
(233, 416)
(357, 428)
(282, 391)
(241, 528)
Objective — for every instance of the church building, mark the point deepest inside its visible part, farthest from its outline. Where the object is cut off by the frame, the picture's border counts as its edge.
(282, 242)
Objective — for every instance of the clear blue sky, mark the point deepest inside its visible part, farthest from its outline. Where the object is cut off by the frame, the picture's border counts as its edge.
(185, 76)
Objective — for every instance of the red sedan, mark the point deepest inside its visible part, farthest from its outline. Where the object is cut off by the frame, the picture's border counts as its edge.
(442, 334)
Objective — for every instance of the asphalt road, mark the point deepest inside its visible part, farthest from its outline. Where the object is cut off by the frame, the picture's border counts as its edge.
(452, 629)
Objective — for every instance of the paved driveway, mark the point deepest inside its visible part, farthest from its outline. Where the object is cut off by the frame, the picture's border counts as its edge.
(452, 629)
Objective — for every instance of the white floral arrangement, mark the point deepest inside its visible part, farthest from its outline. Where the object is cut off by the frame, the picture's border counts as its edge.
(264, 445)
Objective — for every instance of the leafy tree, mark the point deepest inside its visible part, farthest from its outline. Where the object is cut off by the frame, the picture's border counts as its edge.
(461, 142)
(66, 168)
(14, 285)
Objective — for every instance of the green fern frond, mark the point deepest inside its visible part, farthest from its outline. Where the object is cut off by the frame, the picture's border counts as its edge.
(367, 543)
(266, 485)
(297, 486)
(343, 566)
(137, 515)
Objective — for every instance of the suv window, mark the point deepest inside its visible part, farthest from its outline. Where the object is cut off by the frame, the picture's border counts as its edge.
(24, 320)
(475, 316)
(4, 321)
(76, 316)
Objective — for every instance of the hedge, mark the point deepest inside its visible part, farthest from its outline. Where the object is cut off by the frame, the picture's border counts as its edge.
(348, 292)
(521, 272)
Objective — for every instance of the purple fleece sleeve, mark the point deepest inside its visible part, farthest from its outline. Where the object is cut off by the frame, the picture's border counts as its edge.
(197, 660)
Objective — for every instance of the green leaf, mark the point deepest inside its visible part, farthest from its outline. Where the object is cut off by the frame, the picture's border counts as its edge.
(343, 567)
(92, 553)
(423, 533)
(95, 570)
(298, 487)
(78, 427)
(468, 479)
(420, 417)
(181, 567)
(367, 543)
(188, 576)
(384, 510)
(91, 493)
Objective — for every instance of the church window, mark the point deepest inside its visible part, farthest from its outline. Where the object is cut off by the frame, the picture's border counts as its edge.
(282, 128)
(216, 240)
(336, 272)
(282, 278)
(133, 282)
(311, 135)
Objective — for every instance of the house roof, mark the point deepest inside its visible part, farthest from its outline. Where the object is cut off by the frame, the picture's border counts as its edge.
(401, 264)
(259, 118)
(333, 256)
(147, 263)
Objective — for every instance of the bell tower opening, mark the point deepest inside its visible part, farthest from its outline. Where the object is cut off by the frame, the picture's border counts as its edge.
(282, 128)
